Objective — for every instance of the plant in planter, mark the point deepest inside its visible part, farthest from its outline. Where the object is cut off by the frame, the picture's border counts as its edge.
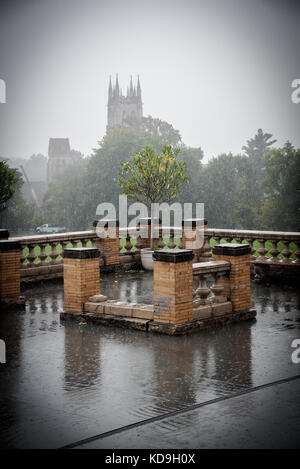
(152, 178)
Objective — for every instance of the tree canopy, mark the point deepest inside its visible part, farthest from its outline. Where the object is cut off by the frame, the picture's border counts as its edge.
(152, 178)
(8, 180)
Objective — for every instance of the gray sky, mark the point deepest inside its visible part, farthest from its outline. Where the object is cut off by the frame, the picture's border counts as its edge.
(217, 70)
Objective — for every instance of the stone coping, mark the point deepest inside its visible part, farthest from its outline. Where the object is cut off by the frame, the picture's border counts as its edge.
(231, 249)
(210, 267)
(193, 222)
(50, 238)
(81, 253)
(74, 235)
(9, 245)
(173, 255)
(254, 234)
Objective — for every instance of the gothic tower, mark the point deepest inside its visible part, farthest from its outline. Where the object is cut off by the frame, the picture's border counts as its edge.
(121, 108)
(59, 157)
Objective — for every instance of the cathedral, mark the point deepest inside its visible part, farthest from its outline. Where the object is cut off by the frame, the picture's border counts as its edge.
(121, 109)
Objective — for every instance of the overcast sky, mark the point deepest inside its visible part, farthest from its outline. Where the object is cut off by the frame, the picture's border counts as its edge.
(217, 70)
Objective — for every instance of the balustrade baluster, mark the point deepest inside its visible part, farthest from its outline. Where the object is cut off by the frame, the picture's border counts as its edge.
(205, 252)
(218, 288)
(31, 255)
(286, 252)
(274, 251)
(128, 244)
(139, 242)
(171, 244)
(43, 254)
(203, 290)
(54, 253)
(262, 250)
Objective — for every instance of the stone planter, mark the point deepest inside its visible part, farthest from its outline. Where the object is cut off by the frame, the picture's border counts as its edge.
(146, 258)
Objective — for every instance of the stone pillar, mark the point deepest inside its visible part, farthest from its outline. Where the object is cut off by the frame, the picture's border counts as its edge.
(173, 286)
(110, 245)
(4, 234)
(190, 226)
(10, 260)
(81, 277)
(237, 285)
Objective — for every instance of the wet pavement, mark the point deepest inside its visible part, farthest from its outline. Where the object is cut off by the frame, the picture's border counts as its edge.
(65, 382)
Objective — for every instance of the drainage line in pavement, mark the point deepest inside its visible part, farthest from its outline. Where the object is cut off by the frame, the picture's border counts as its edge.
(177, 412)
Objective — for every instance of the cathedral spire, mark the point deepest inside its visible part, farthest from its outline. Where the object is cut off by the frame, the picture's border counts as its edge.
(117, 88)
(131, 86)
(109, 89)
(138, 89)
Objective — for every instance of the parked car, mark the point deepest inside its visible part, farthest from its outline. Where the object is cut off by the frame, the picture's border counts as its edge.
(50, 228)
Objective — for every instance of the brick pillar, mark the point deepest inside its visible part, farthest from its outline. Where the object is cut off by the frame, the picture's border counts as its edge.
(173, 286)
(237, 286)
(4, 234)
(81, 277)
(110, 245)
(10, 260)
(189, 230)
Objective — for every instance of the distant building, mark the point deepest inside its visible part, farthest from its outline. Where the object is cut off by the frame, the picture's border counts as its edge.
(121, 109)
(59, 157)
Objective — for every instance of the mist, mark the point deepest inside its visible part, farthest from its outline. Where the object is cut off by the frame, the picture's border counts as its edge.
(217, 71)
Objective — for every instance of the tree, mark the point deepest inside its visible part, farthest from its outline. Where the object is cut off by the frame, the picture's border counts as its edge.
(152, 178)
(161, 130)
(65, 202)
(256, 148)
(282, 189)
(17, 215)
(192, 157)
(8, 179)
(225, 188)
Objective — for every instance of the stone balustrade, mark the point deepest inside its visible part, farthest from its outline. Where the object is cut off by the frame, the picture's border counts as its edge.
(267, 247)
(210, 293)
(41, 255)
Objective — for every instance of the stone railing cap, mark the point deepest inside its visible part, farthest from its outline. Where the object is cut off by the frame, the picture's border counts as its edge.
(4, 234)
(173, 255)
(104, 223)
(194, 222)
(8, 245)
(231, 249)
(81, 253)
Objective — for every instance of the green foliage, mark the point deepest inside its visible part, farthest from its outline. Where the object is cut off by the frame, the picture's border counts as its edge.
(160, 130)
(247, 191)
(149, 177)
(65, 201)
(227, 192)
(256, 148)
(282, 189)
(8, 180)
(18, 213)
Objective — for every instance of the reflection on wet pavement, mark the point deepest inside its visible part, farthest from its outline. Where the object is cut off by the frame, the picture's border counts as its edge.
(64, 382)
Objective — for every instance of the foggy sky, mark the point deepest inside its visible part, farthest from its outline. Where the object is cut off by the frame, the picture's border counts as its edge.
(216, 70)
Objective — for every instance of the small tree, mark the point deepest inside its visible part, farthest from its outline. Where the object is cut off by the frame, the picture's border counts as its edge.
(8, 180)
(152, 178)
